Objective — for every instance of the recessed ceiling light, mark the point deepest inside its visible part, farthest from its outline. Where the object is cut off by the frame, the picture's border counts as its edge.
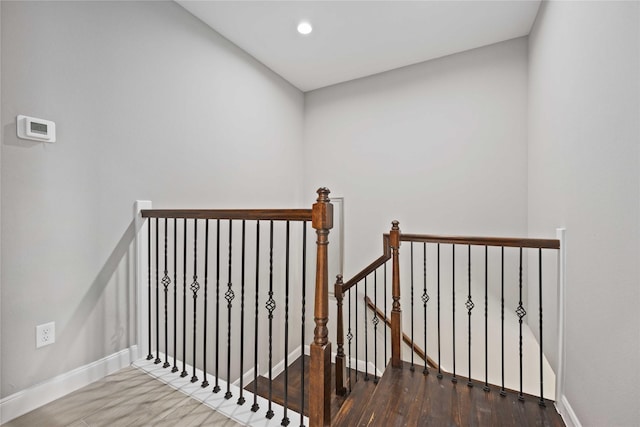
(304, 28)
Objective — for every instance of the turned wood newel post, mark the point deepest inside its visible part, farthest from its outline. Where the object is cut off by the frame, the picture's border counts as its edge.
(320, 369)
(396, 312)
(340, 356)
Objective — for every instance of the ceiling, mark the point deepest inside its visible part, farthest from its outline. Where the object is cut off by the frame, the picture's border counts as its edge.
(353, 39)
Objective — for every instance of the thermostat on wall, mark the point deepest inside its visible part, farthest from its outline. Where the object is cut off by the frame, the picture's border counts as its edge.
(36, 129)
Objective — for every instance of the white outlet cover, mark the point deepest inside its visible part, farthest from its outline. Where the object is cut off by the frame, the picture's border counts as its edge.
(45, 334)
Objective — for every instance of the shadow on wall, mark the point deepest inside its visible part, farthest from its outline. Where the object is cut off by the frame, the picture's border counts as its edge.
(108, 274)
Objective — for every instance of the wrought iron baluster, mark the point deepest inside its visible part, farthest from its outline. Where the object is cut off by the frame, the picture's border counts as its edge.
(205, 383)
(216, 387)
(149, 293)
(384, 294)
(157, 361)
(521, 312)
(486, 317)
(270, 305)
(229, 296)
(453, 308)
(241, 399)
(425, 300)
(302, 340)
(175, 296)
(184, 372)
(412, 367)
(469, 305)
(355, 321)
(349, 334)
(541, 401)
(166, 281)
(503, 392)
(438, 308)
(285, 419)
(366, 341)
(255, 405)
(375, 322)
(195, 286)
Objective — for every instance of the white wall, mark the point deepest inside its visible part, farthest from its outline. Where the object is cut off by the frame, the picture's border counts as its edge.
(584, 121)
(149, 104)
(439, 146)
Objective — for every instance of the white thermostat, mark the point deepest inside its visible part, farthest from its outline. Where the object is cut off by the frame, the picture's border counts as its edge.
(36, 129)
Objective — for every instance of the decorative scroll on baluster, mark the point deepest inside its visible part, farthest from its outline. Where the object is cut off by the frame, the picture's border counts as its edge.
(320, 370)
(520, 312)
(195, 286)
(270, 306)
(469, 305)
(166, 281)
(229, 296)
(425, 300)
(396, 312)
(205, 383)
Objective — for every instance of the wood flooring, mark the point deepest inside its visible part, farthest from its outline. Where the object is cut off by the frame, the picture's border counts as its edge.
(128, 397)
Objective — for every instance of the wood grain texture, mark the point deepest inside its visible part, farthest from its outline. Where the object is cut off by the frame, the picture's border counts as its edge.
(128, 397)
(516, 242)
(406, 398)
(247, 214)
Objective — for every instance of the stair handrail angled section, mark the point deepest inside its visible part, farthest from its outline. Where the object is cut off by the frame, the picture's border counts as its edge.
(320, 365)
(390, 245)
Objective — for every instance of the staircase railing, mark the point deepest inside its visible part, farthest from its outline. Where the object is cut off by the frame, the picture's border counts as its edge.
(260, 255)
(473, 290)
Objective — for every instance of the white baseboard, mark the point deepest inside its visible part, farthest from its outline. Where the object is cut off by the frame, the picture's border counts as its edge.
(566, 412)
(40, 394)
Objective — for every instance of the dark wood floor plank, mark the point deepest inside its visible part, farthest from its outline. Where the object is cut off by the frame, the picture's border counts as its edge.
(405, 398)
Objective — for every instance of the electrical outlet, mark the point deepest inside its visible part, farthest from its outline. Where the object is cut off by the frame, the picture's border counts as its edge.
(45, 334)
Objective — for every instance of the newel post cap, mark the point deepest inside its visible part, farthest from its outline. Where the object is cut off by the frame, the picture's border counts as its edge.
(322, 212)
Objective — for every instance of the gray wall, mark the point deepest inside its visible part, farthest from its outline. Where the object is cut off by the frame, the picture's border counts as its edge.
(439, 146)
(149, 103)
(584, 171)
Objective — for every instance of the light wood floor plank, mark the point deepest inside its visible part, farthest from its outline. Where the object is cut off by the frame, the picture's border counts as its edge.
(128, 397)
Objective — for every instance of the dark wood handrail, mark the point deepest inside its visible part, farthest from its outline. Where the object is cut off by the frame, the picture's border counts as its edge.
(248, 214)
(371, 267)
(407, 340)
(483, 241)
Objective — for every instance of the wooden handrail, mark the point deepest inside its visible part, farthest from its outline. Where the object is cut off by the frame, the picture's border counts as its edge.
(407, 340)
(483, 241)
(247, 214)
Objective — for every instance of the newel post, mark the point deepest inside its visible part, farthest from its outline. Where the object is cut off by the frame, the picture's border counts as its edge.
(340, 356)
(396, 312)
(320, 369)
